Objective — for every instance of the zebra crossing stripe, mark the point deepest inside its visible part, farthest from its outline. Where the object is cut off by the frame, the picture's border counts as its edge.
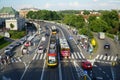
(97, 56)
(34, 56)
(75, 55)
(112, 58)
(37, 57)
(72, 56)
(19, 59)
(108, 58)
(82, 55)
(104, 57)
(115, 59)
(44, 56)
(41, 56)
(101, 57)
(79, 55)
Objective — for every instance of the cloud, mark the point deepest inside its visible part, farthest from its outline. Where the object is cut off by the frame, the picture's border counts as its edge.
(74, 4)
(48, 5)
(95, 0)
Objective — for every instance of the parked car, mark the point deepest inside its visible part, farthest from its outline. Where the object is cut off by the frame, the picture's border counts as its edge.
(86, 65)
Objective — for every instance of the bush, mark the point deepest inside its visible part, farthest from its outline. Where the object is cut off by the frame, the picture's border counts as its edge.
(16, 34)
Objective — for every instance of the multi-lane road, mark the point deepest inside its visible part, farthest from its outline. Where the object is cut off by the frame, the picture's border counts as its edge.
(32, 66)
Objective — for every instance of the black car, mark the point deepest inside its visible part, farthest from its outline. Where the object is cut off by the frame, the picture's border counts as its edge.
(107, 46)
(9, 53)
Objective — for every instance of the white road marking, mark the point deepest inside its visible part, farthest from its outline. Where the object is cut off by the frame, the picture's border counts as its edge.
(44, 56)
(112, 58)
(115, 59)
(41, 56)
(97, 56)
(34, 57)
(104, 57)
(37, 57)
(75, 55)
(19, 59)
(79, 55)
(108, 58)
(101, 57)
(72, 56)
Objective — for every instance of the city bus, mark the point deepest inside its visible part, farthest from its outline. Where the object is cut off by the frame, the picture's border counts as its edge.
(64, 48)
(52, 60)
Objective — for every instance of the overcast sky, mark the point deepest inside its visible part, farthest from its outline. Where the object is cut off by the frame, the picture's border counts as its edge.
(62, 4)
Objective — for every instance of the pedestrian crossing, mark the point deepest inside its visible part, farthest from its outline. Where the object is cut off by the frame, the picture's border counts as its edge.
(10, 60)
(39, 56)
(77, 56)
(106, 58)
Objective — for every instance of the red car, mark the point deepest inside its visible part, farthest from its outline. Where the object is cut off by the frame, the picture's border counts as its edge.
(27, 44)
(86, 65)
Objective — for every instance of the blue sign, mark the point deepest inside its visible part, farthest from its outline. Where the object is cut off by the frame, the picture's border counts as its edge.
(85, 72)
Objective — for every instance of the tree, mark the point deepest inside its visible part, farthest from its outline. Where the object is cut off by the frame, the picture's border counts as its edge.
(99, 25)
(12, 26)
(86, 12)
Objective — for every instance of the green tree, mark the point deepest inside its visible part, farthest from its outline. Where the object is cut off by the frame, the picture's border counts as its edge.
(12, 26)
(99, 25)
(86, 12)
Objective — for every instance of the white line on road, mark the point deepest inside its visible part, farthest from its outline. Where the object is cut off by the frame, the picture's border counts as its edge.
(97, 56)
(24, 71)
(44, 56)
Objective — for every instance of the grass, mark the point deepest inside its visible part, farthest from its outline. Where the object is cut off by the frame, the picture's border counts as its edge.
(4, 43)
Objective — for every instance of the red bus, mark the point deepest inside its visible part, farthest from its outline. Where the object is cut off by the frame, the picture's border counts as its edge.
(64, 48)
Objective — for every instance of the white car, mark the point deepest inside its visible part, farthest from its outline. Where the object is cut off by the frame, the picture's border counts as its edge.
(40, 50)
(25, 51)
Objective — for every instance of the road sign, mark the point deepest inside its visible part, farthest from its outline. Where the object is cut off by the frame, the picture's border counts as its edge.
(85, 72)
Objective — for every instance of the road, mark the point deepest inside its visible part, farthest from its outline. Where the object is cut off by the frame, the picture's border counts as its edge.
(32, 66)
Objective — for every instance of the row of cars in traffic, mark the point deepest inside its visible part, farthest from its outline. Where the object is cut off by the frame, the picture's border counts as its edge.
(9, 50)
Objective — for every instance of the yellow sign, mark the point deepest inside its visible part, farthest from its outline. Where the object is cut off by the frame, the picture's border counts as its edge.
(93, 42)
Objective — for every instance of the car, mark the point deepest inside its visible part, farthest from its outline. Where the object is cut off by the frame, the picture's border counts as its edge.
(6, 50)
(107, 46)
(25, 50)
(70, 37)
(9, 53)
(17, 43)
(47, 34)
(86, 65)
(40, 49)
(12, 46)
(28, 43)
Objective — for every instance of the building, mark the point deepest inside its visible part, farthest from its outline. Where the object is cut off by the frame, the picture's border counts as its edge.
(23, 12)
(10, 19)
(15, 24)
(8, 12)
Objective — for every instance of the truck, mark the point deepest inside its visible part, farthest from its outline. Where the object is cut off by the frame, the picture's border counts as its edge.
(101, 35)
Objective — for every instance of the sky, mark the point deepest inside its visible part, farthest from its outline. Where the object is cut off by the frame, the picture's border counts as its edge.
(62, 4)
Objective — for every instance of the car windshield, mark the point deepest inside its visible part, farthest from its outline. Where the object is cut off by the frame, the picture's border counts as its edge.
(51, 59)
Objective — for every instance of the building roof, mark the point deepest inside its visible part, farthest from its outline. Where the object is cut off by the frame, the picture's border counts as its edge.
(8, 10)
